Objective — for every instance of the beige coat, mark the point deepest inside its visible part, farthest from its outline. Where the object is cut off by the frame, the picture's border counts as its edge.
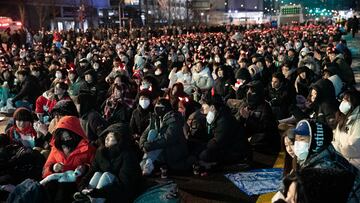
(348, 143)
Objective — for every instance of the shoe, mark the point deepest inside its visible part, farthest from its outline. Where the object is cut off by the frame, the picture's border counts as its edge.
(80, 197)
(148, 167)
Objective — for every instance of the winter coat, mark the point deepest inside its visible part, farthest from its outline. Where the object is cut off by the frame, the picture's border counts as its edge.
(348, 143)
(18, 163)
(325, 105)
(93, 124)
(139, 121)
(30, 90)
(329, 158)
(223, 87)
(281, 99)
(83, 154)
(122, 162)
(261, 128)
(203, 79)
(171, 140)
(227, 136)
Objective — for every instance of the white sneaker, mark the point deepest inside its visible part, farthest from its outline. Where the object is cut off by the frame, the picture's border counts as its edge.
(148, 167)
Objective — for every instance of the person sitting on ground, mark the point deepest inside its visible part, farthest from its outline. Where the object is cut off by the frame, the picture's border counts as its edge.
(70, 151)
(347, 133)
(313, 149)
(30, 90)
(115, 173)
(165, 133)
(140, 117)
(316, 185)
(258, 120)
(228, 143)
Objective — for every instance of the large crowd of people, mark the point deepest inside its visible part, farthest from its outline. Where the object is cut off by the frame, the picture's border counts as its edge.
(94, 113)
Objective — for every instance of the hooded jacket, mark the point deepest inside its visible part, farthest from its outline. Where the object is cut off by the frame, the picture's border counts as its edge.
(83, 153)
(348, 143)
(322, 154)
(122, 162)
(325, 105)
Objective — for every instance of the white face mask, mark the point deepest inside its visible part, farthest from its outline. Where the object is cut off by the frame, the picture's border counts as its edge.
(144, 103)
(210, 117)
(301, 149)
(345, 107)
(58, 75)
(158, 72)
(96, 66)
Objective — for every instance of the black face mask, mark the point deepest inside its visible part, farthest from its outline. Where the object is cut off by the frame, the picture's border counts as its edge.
(159, 111)
(69, 144)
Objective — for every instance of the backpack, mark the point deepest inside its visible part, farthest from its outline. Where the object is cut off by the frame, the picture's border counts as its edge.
(162, 193)
(29, 191)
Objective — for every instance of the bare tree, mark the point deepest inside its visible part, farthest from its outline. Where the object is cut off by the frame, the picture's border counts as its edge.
(21, 8)
(42, 10)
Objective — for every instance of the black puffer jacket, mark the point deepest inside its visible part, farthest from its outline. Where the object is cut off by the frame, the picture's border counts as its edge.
(140, 119)
(227, 136)
(281, 99)
(121, 161)
(171, 140)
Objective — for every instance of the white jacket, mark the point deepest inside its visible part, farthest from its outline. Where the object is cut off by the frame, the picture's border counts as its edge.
(348, 143)
(180, 77)
(203, 79)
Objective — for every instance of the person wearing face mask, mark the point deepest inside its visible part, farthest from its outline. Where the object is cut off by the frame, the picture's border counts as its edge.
(347, 133)
(161, 76)
(70, 150)
(141, 115)
(167, 124)
(115, 173)
(313, 149)
(258, 119)
(322, 102)
(228, 143)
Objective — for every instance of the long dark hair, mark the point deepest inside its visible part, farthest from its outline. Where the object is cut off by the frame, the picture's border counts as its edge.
(353, 96)
(290, 163)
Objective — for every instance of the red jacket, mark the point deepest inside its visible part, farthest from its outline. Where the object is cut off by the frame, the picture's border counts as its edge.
(83, 154)
(40, 103)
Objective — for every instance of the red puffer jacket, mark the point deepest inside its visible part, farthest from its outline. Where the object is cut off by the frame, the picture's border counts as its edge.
(83, 154)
